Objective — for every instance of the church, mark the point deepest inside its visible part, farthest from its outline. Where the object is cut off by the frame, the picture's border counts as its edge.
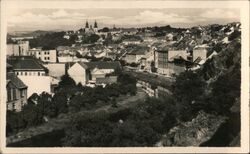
(90, 29)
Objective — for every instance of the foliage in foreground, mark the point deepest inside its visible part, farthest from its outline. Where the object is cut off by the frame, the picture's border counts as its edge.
(69, 97)
(140, 126)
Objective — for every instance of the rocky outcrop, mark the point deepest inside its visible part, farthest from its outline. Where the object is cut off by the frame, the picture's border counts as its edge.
(194, 132)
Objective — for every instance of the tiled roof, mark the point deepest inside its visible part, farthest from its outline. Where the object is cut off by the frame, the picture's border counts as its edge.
(62, 48)
(25, 63)
(103, 65)
(162, 48)
(136, 49)
(11, 77)
(8, 65)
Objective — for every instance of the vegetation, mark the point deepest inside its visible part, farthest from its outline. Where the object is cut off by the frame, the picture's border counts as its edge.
(188, 90)
(90, 38)
(51, 41)
(140, 126)
(69, 97)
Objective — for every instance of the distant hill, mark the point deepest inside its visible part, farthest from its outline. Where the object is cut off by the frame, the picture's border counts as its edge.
(28, 33)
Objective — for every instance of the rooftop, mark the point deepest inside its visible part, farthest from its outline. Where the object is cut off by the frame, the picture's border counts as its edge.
(103, 65)
(25, 63)
(11, 77)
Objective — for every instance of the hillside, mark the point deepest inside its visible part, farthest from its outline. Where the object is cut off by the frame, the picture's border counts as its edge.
(214, 116)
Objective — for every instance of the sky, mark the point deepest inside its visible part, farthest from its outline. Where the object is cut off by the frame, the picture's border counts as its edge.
(30, 19)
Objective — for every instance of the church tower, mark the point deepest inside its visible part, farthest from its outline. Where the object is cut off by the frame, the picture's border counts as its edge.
(86, 26)
(95, 27)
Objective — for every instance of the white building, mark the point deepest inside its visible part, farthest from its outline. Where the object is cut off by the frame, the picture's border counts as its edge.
(84, 73)
(36, 84)
(44, 55)
(199, 52)
(19, 49)
(56, 70)
(78, 73)
(31, 73)
(176, 53)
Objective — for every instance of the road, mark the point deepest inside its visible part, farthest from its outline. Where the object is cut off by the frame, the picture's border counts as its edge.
(152, 78)
(63, 120)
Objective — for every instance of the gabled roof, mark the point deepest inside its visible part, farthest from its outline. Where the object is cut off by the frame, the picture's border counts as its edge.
(62, 48)
(162, 48)
(8, 65)
(11, 77)
(25, 63)
(104, 65)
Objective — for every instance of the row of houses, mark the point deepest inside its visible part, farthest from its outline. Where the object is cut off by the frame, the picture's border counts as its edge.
(27, 75)
(166, 59)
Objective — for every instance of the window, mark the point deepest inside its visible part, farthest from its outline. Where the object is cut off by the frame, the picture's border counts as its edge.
(39, 53)
(9, 94)
(25, 73)
(22, 93)
(17, 73)
(14, 94)
(22, 103)
(38, 73)
(48, 58)
(13, 106)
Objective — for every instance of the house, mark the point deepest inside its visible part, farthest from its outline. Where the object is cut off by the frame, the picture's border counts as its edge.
(199, 52)
(87, 72)
(56, 70)
(161, 59)
(133, 57)
(12, 49)
(44, 55)
(20, 48)
(31, 73)
(78, 72)
(37, 84)
(169, 61)
(176, 53)
(129, 31)
(27, 66)
(16, 92)
(135, 53)
(132, 40)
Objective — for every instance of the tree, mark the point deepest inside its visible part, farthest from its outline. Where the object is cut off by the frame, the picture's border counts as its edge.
(225, 91)
(189, 87)
(66, 80)
(73, 38)
(90, 38)
(105, 29)
(50, 41)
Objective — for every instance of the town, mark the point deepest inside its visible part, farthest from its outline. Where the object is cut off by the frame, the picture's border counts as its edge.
(115, 69)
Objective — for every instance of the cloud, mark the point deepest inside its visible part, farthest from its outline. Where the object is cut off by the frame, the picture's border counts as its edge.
(55, 19)
(148, 17)
(220, 14)
(74, 19)
(59, 13)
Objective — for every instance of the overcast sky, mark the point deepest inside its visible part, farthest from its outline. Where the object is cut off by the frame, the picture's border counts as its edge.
(30, 19)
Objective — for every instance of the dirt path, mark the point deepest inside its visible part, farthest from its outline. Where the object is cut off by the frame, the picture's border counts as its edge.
(64, 119)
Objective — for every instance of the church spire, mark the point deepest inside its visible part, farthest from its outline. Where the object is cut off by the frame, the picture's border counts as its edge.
(95, 24)
(87, 24)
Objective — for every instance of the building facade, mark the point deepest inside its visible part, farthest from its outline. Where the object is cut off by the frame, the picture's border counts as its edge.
(161, 61)
(199, 52)
(16, 93)
(21, 48)
(27, 66)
